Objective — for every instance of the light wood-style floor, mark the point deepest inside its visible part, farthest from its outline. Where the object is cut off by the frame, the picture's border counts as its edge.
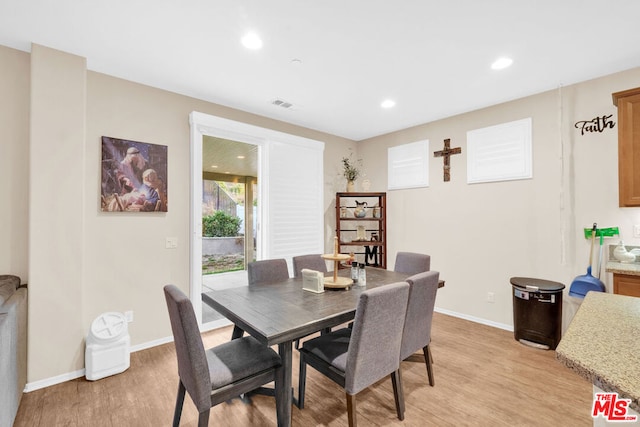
(483, 378)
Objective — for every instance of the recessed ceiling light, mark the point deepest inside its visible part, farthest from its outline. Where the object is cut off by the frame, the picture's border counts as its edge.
(501, 63)
(240, 157)
(388, 103)
(251, 41)
(214, 166)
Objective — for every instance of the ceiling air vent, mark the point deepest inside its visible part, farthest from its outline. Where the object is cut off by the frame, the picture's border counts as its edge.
(282, 103)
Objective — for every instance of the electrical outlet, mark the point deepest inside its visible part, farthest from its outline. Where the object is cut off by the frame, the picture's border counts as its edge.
(636, 230)
(491, 297)
(129, 316)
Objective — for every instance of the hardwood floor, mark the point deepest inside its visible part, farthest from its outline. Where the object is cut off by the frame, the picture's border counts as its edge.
(483, 377)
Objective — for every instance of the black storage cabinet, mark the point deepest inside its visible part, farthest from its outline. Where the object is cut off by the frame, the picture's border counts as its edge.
(537, 311)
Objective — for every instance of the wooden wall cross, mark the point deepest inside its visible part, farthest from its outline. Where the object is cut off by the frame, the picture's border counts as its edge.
(445, 154)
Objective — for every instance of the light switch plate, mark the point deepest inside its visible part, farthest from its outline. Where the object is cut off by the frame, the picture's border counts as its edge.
(171, 243)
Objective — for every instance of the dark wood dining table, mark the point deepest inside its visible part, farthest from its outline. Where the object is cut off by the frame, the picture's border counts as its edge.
(279, 313)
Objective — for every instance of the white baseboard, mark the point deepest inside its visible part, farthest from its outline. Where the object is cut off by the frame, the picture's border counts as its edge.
(150, 344)
(216, 324)
(475, 319)
(47, 382)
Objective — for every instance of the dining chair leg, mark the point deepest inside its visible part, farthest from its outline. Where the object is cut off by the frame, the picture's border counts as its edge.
(398, 393)
(179, 402)
(279, 384)
(203, 418)
(302, 378)
(429, 361)
(351, 409)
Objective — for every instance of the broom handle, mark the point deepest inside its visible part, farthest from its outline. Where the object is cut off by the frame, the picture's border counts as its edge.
(593, 239)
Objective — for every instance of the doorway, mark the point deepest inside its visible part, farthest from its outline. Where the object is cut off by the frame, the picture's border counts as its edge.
(229, 214)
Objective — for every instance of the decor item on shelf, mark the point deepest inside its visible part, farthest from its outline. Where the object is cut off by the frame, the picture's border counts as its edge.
(344, 212)
(361, 234)
(376, 211)
(366, 184)
(371, 255)
(361, 209)
(351, 171)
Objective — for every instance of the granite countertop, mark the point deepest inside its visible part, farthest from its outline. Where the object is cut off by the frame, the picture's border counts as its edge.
(631, 269)
(601, 344)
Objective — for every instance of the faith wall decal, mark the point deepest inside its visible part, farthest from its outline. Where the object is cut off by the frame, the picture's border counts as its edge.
(597, 124)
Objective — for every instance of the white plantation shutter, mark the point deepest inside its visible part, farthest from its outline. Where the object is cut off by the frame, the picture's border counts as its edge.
(292, 199)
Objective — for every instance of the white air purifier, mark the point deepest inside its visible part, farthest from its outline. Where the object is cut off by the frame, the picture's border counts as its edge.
(107, 350)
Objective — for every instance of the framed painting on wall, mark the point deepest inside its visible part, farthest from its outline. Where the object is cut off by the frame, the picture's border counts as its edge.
(134, 176)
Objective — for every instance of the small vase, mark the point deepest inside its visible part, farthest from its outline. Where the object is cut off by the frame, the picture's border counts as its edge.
(351, 186)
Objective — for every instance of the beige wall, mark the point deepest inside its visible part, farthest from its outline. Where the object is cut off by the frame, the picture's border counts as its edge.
(480, 235)
(14, 161)
(56, 212)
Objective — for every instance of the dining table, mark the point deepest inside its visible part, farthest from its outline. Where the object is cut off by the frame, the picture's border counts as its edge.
(280, 313)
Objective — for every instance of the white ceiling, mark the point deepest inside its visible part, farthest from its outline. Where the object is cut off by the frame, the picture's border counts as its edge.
(432, 57)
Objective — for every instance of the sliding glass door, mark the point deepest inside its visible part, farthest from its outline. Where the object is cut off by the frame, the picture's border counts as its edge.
(288, 196)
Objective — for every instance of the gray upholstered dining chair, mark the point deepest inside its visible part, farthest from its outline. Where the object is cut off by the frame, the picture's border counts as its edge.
(312, 262)
(263, 272)
(412, 263)
(219, 373)
(267, 271)
(417, 325)
(354, 358)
